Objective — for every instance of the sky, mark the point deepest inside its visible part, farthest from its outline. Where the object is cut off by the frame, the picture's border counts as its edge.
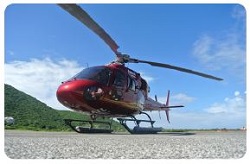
(44, 46)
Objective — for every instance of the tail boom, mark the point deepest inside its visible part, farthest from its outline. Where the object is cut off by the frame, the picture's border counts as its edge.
(152, 105)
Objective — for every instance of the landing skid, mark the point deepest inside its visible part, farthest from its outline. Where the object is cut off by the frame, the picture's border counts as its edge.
(91, 128)
(138, 129)
(79, 126)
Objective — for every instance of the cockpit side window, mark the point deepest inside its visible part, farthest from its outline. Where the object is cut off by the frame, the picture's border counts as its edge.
(103, 76)
(120, 79)
(99, 74)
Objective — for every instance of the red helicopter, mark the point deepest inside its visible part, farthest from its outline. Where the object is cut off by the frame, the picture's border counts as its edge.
(112, 90)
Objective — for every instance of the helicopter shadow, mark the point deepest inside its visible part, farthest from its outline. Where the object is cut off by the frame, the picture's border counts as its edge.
(177, 133)
(161, 133)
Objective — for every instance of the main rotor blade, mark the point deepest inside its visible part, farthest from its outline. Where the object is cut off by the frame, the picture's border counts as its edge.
(175, 68)
(84, 17)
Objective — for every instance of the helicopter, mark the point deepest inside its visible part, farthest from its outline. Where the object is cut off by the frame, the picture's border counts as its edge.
(112, 90)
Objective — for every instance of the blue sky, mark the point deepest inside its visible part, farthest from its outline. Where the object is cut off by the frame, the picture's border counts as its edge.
(44, 45)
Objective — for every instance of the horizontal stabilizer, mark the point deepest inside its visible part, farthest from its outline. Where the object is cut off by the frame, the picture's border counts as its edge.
(173, 106)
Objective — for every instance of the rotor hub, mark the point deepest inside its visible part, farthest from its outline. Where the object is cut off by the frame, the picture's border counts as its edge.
(122, 58)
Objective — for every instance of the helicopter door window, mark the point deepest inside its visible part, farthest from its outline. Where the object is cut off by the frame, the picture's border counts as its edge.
(131, 83)
(120, 79)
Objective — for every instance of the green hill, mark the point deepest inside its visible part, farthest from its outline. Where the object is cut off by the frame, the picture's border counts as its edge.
(31, 114)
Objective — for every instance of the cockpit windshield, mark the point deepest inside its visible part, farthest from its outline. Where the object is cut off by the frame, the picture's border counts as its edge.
(100, 74)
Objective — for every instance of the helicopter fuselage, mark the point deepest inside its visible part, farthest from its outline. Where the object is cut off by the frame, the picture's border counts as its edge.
(111, 90)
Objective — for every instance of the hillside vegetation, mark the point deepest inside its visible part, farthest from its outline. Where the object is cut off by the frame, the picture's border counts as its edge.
(31, 114)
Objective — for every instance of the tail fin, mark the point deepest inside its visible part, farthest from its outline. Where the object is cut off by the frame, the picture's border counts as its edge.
(167, 104)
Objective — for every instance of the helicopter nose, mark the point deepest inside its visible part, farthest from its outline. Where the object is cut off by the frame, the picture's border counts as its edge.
(68, 93)
(64, 91)
(64, 94)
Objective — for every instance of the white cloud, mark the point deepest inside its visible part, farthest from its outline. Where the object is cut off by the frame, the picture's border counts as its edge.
(201, 120)
(177, 99)
(148, 78)
(229, 113)
(235, 105)
(226, 50)
(219, 54)
(182, 98)
(40, 78)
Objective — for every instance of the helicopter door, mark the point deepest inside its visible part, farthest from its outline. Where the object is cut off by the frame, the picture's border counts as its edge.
(131, 90)
(119, 85)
